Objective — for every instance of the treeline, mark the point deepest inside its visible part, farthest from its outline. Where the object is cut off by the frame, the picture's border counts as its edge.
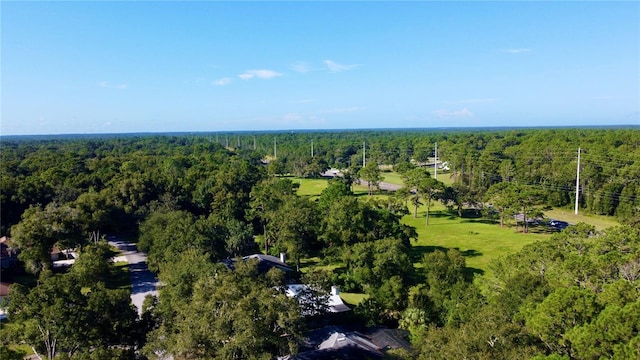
(133, 171)
(574, 296)
(190, 202)
(543, 158)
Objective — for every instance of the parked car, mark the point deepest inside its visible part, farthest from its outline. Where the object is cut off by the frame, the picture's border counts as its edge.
(558, 224)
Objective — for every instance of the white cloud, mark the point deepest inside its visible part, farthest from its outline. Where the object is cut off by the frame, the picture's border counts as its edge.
(222, 82)
(517, 50)
(473, 101)
(106, 85)
(260, 74)
(335, 67)
(302, 67)
(447, 114)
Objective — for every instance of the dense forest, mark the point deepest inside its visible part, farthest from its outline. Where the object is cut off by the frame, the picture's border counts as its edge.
(190, 201)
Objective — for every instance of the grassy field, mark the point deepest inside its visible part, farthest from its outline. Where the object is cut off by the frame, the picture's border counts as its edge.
(313, 187)
(395, 178)
(600, 222)
(479, 240)
(310, 187)
(392, 178)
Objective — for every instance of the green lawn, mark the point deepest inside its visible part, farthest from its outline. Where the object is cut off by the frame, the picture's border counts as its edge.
(446, 178)
(121, 279)
(392, 178)
(313, 187)
(396, 178)
(600, 222)
(479, 240)
(310, 187)
(353, 298)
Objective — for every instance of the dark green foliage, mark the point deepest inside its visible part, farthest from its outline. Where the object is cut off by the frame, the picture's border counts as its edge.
(59, 316)
(41, 229)
(229, 315)
(574, 296)
(194, 202)
(371, 174)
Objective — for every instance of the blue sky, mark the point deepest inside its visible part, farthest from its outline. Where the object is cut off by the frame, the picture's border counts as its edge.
(117, 67)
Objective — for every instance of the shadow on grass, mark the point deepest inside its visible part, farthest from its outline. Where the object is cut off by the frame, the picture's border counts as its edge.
(481, 221)
(417, 252)
(120, 277)
(470, 272)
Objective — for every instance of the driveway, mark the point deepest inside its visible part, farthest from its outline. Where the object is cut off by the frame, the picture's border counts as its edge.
(143, 282)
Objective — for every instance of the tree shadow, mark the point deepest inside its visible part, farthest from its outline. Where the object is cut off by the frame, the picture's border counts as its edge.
(470, 272)
(481, 221)
(417, 252)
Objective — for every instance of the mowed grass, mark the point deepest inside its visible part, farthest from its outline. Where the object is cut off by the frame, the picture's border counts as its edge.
(353, 298)
(392, 178)
(600, 222)
(313, 187)
(479, 240)
(121, 279)
(310, 187)
(396, 178)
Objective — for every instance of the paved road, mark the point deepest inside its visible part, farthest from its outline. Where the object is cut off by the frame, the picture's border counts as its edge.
(143, 282)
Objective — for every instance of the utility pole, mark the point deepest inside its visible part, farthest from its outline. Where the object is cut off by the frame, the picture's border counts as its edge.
(275, 149)
(312, 148)
(435, 164)
(227, 141)
(238, 141)
(577, 182)
(364, 154)
(254, 142)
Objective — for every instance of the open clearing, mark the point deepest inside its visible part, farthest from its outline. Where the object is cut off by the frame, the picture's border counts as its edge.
(479, 240)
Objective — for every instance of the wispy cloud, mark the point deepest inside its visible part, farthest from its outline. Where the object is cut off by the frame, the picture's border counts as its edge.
(473, 101)
(517, 50)
(107, 85)
(334, 67)
(260, 74)
(448, 114)
(222, 82)
(302, 67)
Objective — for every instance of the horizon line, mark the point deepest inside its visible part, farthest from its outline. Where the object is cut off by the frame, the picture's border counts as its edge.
(453, 129)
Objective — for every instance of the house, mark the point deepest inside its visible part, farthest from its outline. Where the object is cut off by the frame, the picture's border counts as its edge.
(304, 294)
(8, 253)
(334, 342)
(4, 291)
(265, 262)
